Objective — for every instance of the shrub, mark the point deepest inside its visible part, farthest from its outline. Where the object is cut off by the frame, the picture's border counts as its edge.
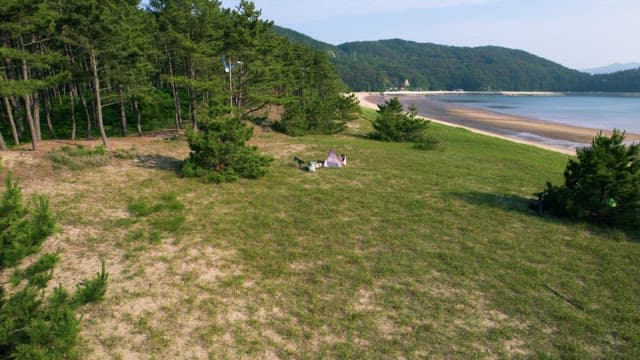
(32, 326)
(219, 152)
(392, 124)
(601, 185)
(22, 230)
(91, 290)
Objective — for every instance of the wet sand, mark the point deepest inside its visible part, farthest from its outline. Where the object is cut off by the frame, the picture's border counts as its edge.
(552, 136)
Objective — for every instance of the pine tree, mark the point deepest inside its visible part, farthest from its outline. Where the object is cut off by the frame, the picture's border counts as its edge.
(392, 124)
(219, 152)
(314, 104)
(602, 184)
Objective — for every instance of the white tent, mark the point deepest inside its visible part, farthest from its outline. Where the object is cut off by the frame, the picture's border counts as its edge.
(332, 160)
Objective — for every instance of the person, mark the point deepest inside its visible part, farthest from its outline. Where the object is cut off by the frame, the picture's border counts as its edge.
(343, 159)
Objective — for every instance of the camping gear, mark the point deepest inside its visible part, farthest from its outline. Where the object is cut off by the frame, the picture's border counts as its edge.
(332, 160)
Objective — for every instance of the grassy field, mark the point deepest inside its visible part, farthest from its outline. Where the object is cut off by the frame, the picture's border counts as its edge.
(402, 254)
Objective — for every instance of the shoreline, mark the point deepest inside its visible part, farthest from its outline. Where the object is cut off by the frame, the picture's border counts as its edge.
(508, 93)
(552, 136)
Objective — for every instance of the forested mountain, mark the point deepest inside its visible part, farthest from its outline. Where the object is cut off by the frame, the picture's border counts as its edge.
(621, 81)
(87, 67)
(385, 64)
(389, 63)
(305, 40)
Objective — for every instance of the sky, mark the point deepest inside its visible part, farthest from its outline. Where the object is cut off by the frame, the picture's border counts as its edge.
(578, 34)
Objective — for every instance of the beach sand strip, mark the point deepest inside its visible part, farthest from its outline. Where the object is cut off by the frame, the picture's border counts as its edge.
(495, 124)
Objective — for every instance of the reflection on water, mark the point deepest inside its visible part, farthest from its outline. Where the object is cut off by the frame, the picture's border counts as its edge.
(598, 112)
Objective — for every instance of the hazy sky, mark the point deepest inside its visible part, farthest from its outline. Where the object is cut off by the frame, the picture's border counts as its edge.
(576, 33)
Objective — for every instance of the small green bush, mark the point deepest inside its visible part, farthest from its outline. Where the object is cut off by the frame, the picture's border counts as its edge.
(32, 326)
(602, 184)
(22, 230)
(393, 124)
(219, 152)
(91, 290)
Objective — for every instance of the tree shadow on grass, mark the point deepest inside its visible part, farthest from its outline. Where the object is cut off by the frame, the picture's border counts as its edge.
(519, 204)
(161, 162)
(508, 202)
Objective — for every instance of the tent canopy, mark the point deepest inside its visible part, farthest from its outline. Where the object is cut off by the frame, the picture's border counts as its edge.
(332, 160)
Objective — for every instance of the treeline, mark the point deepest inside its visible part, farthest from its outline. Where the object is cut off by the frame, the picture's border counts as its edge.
(81, 68)
(387, 64)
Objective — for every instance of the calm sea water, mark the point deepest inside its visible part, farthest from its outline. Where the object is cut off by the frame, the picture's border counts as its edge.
(598, 112)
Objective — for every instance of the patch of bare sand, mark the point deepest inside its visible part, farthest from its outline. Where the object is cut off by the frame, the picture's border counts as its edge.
(543, 128)
(161, 291)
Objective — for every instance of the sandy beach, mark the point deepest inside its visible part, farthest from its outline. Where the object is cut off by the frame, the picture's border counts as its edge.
(551, 136)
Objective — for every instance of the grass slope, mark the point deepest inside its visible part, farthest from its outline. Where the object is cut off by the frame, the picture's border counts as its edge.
(403, 253)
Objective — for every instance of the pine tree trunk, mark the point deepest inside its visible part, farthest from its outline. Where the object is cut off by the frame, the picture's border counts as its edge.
(136, 108)
(87, 114)
(35, 103)
(123, 111)
(72, 103)
(57, 95)
(27, 109)
(27, 106)
(20, 118)
(96, 88)
(193, 107)
(47, 113)
(194, 113)
(3, 145)
(176, 97)
(14, 131)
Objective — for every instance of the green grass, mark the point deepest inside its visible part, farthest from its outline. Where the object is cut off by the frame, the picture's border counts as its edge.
(79, 157)
(403, 253)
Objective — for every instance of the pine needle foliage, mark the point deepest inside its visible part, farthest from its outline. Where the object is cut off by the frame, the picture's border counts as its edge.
(219, 152)
(31, 325)
(602, 184)
(91, 290)
(22, 230)
(393, 124)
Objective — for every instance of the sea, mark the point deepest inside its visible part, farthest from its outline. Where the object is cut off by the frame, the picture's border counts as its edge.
(602, 112)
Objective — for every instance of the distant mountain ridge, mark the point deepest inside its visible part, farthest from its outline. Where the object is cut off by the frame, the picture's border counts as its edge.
(303, 39)
(395, 63)
(609, 69)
